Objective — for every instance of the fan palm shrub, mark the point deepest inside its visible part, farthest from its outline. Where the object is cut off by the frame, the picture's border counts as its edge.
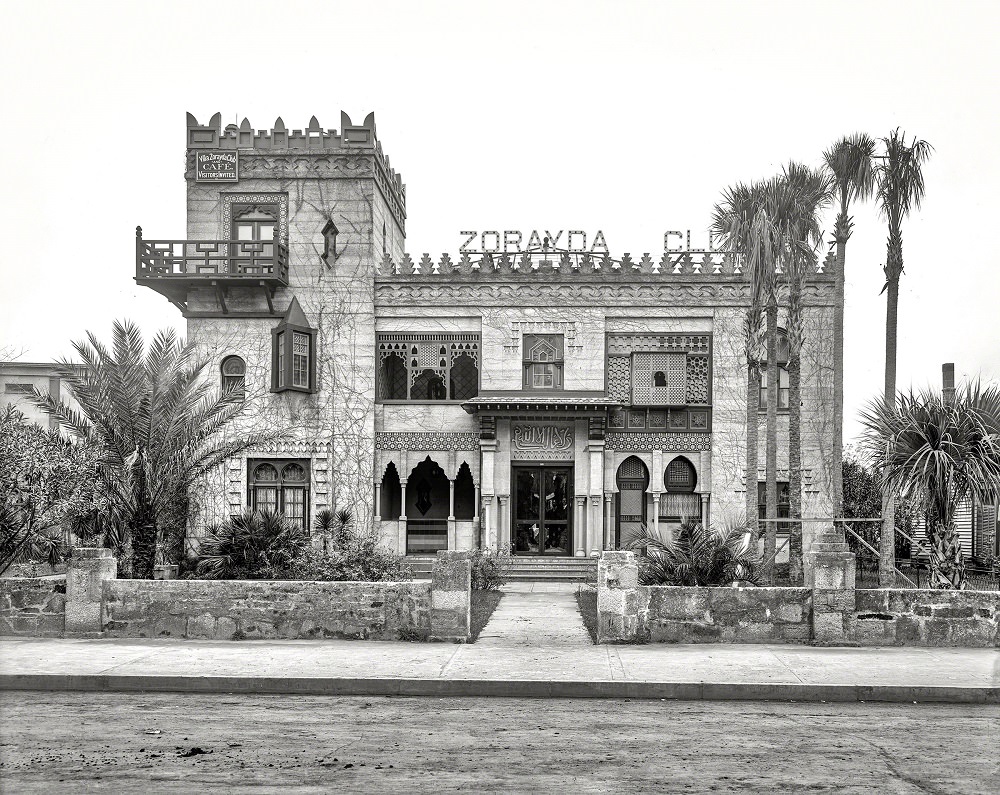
(159, 424)
(939, 451)
(699, 556)
(250, 545)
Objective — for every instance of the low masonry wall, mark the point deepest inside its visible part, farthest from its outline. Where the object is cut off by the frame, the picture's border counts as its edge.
(725, 615)
(926, 618)
(32, 606)
(253, 609)
(91, 602)
(631, 613)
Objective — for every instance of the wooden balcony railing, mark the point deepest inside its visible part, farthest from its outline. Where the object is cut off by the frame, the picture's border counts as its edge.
(210, 259)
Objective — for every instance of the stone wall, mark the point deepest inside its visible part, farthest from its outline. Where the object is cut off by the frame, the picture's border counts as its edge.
(725, 615)
(925, 618)
(32, 606)
(841, 616)
(239, 609)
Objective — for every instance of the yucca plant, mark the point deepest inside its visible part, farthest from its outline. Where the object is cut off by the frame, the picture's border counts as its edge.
(695, 556)
(334, 527)
(250, 544)
(939, 451)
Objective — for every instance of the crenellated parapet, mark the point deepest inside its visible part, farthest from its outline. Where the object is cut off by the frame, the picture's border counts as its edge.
(545, 265)
(310, 152)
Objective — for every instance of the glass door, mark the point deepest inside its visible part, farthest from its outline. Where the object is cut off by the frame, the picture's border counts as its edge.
(542, 521)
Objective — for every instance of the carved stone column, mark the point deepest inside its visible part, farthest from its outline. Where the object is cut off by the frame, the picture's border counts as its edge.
(452, 535)
(595, 534)
(503, 521)
(609, 531)
(580, 529)
(378, 503)
(489, 531)
(402, 516)
(477, 535)
(656, 515)
(704, 510)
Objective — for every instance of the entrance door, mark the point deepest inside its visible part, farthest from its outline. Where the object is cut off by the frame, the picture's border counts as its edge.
(543, 510)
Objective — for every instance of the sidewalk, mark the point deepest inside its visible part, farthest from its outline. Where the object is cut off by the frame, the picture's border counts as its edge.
(710, 671)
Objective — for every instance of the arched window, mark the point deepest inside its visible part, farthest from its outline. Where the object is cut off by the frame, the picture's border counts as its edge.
(680, 502)
(234, 371)
(465, 493)
(393, 377)
(428, 385)
(464, 378)
(281, 486)
(782, 375)
(390, 495)
(659, 379)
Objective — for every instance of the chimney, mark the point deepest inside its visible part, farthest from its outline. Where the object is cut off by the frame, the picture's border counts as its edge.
(948, 382)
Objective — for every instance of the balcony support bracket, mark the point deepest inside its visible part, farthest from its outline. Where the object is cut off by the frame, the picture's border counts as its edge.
(220, 294)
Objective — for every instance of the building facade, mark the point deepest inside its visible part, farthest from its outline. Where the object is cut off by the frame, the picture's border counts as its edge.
(543, 399)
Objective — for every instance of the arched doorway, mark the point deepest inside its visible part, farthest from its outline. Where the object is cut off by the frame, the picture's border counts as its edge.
(633, 480)
(428, 500)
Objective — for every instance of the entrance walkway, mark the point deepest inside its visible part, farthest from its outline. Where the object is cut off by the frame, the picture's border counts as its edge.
(536, 614)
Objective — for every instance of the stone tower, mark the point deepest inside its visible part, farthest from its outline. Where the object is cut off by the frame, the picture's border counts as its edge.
(285, 229)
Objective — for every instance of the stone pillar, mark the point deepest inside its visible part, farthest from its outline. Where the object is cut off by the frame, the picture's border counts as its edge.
(378, 503)
(451, 595)
(580, 531)
(489, 539)
(476, 528)
(503, 523)
(595, 535)
(609, 531)
(452, 535)
(88, 569)
(829, 571)
(618, 608)
(704, 510)
(402, 516)
(656, 515)
(829, 563)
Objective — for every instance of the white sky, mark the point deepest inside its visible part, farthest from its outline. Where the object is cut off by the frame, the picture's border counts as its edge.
(626, 117)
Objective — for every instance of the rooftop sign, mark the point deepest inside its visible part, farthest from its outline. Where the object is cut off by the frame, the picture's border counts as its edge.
(213, 166)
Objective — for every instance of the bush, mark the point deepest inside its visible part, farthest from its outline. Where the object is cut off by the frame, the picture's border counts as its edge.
(696, 556)
(489, 569)
(357, 558)
(249, 546)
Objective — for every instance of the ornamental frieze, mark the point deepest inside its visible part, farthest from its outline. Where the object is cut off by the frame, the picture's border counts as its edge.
(648, 442)
(534, 441)
(426, 441)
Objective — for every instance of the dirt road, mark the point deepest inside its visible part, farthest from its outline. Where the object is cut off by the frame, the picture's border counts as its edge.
(88, 742)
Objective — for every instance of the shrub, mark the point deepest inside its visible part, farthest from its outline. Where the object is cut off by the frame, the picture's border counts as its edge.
(696, 556)
(489, 569)
(358, 558)
(249, 545)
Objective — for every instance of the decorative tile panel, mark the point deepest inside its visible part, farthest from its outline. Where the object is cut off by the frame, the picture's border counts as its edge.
(697, 379)
(426, 441)
(620, 378)
(668, 442)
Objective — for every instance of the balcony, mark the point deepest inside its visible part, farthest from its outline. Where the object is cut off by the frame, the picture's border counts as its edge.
(174, 267)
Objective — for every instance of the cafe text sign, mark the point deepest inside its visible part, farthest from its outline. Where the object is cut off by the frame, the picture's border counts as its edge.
(216, 167)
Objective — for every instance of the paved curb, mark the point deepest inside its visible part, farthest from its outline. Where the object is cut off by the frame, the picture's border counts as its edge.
(513, 688)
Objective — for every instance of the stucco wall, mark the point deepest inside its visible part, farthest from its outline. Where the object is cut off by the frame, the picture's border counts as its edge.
(32, 606)
(236, 609)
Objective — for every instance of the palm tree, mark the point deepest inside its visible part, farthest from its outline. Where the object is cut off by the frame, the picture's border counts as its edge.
(798, 199)
(939, 451)
(849, 164)
(158, 424)
(699, 556)
(741, 225)
(899, 188)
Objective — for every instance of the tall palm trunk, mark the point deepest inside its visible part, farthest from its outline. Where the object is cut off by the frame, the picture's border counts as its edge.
(753, 411)
(893, 268)
(771, 451)
(795, 571)
(842, 233)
